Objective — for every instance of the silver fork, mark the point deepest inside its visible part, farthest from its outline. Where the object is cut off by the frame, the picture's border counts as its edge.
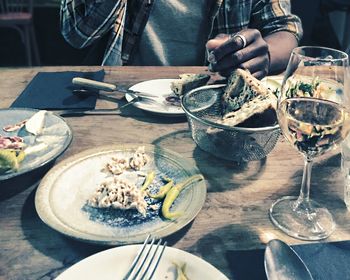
(135, 97)
(146, 262)
(111, 111)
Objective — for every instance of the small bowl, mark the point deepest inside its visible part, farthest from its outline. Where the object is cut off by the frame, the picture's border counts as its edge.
(203, 109)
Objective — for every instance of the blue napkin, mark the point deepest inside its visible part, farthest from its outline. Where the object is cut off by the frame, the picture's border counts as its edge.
(325, 261)
(53, 90)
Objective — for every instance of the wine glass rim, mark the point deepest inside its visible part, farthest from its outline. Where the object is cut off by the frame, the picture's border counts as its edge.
(344, 54)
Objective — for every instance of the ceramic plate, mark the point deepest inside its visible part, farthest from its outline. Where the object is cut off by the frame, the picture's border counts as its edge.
(114, 263)
(161, 89)
(61, 198)
(53, 141)
(273, 82)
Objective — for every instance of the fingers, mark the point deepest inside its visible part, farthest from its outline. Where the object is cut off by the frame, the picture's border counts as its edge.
(229, 53)
(241, 58)
(234, 43)
(259, 75)
(257, 67)
(258, 63)
(217, 41)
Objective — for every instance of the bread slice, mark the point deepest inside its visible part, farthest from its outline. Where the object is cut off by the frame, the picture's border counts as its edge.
(247, 102)
(188, 82)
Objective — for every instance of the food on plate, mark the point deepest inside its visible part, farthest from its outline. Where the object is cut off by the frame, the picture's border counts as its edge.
(180, 271)
(14, 127)
(36, 123)
(119, 164)
(122, 191)
(173, 193)
(148, 181)
(246, 102)
(139, 159)
(10, 159)
(163, 190)
(301, 86)
(120, 194)
(187, 82)
(11, 142)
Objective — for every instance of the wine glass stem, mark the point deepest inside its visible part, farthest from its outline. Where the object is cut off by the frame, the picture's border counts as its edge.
(302, 202)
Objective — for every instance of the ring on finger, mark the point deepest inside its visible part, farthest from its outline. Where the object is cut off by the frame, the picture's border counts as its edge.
(241, 37)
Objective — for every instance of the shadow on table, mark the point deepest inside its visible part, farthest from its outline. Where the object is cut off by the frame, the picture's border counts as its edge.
(51, 243)
(219, 249)
(15, 185)
(222, 174)
(150, 117)
(326, 260)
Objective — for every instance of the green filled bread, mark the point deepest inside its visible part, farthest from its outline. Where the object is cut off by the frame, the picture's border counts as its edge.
(246, 102)
(188, 82)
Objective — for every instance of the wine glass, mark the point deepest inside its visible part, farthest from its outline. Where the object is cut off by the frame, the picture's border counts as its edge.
(313, 119)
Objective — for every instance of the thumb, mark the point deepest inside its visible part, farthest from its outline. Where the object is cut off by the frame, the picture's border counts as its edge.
(217, 41)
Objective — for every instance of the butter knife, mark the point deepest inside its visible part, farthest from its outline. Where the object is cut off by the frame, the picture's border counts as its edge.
(92, 84)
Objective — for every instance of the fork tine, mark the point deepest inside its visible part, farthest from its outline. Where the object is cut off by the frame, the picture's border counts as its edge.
(151, 260)
(158, 260)
(137, 258)
(144, 259)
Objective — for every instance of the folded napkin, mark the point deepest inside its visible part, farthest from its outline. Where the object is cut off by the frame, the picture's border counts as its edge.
(53, 90)
(324, 260)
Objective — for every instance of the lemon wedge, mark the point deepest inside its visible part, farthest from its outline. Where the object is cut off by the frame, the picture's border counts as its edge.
(10, 159)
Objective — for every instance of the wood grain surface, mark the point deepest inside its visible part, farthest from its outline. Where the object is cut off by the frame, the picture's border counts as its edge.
(234, 216)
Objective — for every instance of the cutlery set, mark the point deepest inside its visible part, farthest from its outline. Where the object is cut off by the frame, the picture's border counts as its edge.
(87, 87)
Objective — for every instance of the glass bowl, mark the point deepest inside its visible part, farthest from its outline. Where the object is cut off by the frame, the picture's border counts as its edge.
(203, 109)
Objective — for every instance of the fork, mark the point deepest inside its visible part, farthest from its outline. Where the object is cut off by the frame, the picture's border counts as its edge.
(146, 263)
(134, 97)
(110, 111)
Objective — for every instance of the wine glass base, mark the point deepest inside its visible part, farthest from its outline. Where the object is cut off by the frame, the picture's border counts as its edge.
(306, 225)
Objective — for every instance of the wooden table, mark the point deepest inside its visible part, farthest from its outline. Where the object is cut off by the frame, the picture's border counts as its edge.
(234, 216)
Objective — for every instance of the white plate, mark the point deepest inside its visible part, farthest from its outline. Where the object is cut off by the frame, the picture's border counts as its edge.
(54, 139)
(114, 263)
(273, 82)
(61, 198)
(161, 89)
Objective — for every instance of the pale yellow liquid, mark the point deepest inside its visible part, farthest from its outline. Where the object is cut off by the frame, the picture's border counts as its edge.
(313, 125)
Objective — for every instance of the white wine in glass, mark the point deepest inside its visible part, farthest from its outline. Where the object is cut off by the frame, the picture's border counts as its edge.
(313, 119)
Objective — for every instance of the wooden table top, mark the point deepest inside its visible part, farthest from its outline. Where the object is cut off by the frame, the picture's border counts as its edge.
(234, 216)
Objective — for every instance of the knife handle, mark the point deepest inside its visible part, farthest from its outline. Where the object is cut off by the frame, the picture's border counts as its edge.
(94, 84)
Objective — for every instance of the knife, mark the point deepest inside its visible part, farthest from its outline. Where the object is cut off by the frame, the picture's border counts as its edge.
(92, 84)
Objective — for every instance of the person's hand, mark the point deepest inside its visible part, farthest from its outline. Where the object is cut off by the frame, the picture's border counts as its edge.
(228, 52)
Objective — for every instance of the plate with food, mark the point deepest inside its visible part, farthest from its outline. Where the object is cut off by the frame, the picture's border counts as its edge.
(114, 264)
(30, 139)
(121, 193)
(273, 83)
(168, 93)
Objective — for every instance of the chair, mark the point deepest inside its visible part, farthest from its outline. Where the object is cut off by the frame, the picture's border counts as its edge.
(18, 14)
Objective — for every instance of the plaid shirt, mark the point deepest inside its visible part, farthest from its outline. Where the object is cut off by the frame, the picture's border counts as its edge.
(85, 21)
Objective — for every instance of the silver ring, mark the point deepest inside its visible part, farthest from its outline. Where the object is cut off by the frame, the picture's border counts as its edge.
(240, 36)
